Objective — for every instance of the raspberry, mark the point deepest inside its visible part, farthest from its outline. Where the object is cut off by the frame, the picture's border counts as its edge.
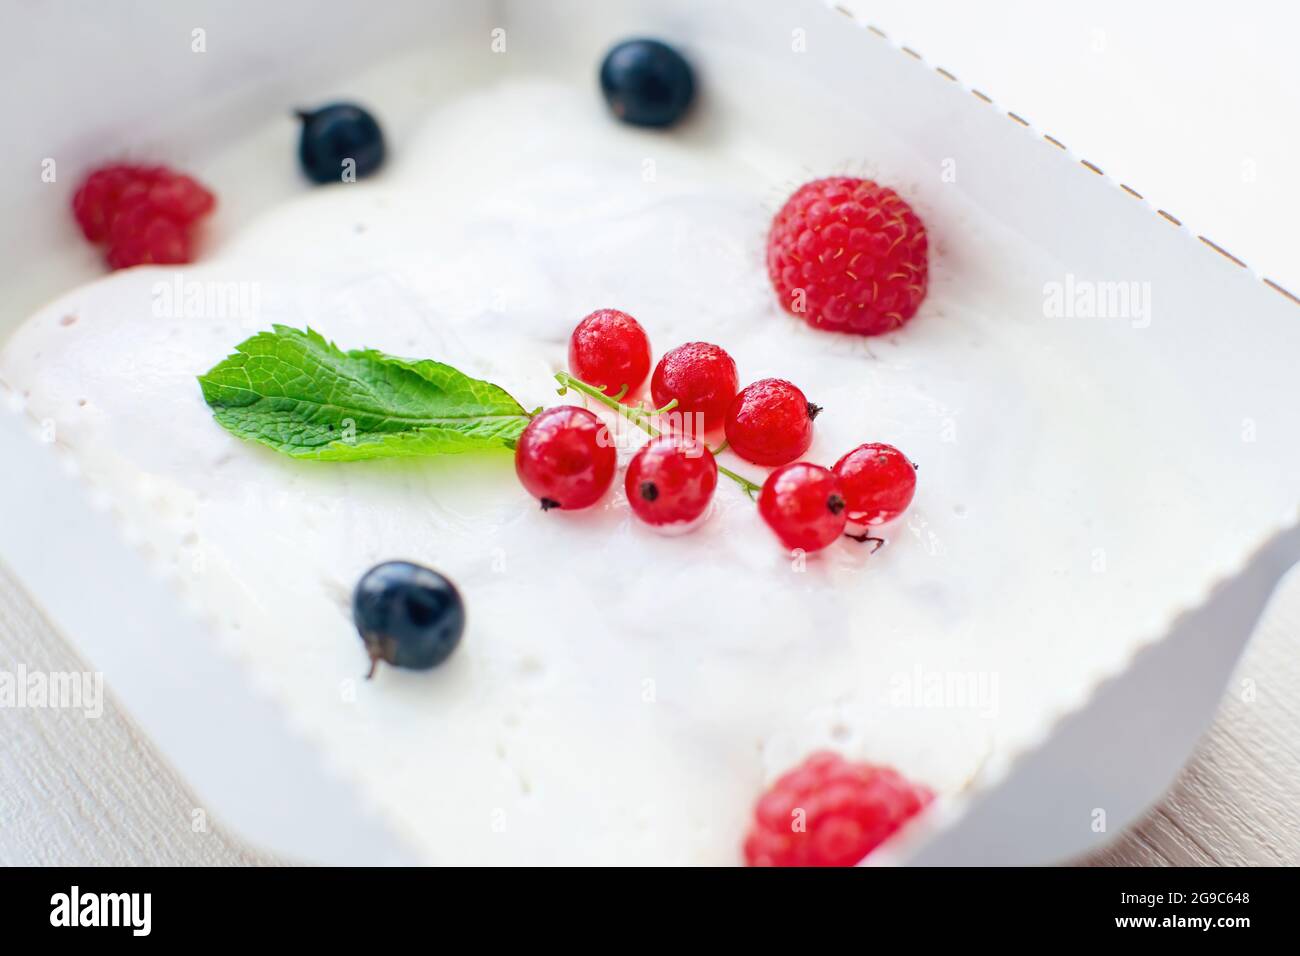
(181, 198)
(95, 202)
(609, 349)
(848, 255)
(146, 214)
(803, 504)
(829, 812)
(156, 240)
(770, 422)
(702, 377)
(878, 482)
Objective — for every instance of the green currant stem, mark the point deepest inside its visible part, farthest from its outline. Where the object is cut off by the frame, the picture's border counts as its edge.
(667, 408)
(638, 416)
(749, 487)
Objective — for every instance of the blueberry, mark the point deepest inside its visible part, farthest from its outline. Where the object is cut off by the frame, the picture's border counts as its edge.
(646, 83)
(334, 134)
(407, 615)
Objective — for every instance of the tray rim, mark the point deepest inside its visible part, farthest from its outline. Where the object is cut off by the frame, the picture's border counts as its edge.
(1091, 167)
(956, 804)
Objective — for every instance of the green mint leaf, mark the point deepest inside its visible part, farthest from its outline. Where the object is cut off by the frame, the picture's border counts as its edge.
(302, 395)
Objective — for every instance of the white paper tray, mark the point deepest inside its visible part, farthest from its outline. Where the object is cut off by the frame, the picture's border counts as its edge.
(1118, 750)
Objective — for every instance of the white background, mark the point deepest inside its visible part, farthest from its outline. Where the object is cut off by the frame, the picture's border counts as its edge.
(1196, 106)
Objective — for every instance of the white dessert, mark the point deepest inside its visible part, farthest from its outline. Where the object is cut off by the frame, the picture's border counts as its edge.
(619, 696)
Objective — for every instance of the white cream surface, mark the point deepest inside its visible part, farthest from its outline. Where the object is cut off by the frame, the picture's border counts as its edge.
(621, 696)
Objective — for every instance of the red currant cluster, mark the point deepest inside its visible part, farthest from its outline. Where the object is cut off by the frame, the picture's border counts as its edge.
(566, 457)
(144, 214)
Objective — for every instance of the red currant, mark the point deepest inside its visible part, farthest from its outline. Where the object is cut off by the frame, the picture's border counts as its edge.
(803, 504)
(610, 350)
(671, 482)
(770, 422)
(878, 483)
(566, 458)
(702, 377)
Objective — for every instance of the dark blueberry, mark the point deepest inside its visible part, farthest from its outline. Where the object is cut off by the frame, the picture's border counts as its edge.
(407, 615)
(646, 83)
(336, 133)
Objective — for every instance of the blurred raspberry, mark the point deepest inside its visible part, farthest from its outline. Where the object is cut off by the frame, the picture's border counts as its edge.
(146, 214)
(96, 200)
(156, 241)
(181, 198)
(829, 812)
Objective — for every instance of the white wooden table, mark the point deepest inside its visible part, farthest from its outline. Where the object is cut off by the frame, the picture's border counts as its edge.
(1193, 104)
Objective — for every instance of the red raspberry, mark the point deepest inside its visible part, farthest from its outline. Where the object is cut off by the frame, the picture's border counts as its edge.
(95, 201)
(702, 377)
(610, 350)
(829, 812)
(181, 198)
(770, 422)
(566, 458)
(848, 255)
(145, 213)
(803, 504)
(878, 482)
(157, 240)
(670, 483)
